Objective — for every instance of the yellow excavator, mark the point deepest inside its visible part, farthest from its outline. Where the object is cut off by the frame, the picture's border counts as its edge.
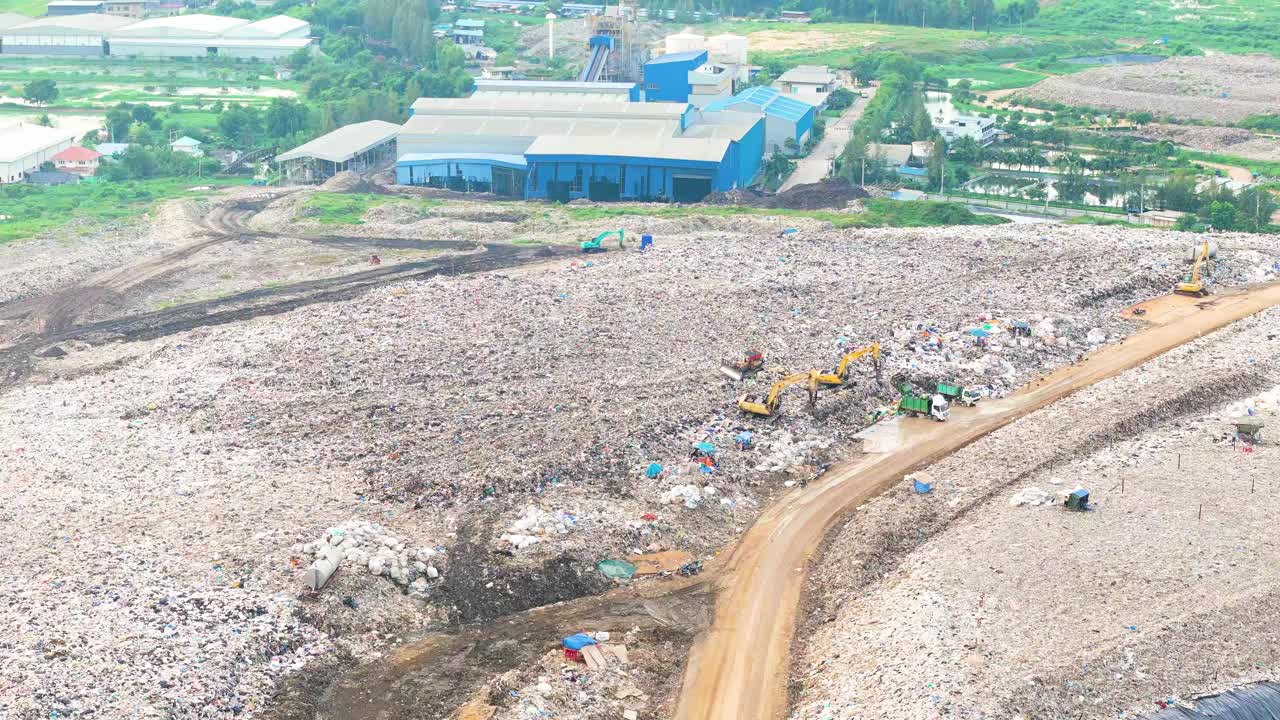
(838, 376)
(748, 403)
(1191, 283)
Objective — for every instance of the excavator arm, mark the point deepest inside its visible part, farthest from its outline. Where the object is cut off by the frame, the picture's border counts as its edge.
(842, 370)
(772, 400)
(1191, 284)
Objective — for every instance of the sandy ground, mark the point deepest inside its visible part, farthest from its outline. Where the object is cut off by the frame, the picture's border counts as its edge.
(962, 604)
(1222, 88)
(167, 472)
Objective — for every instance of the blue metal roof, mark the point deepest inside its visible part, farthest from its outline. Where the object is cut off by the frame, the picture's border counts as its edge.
(680, 57)
(769, 100)
(516, 161)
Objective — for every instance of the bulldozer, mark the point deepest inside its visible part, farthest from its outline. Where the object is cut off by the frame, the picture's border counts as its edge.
(1191, 283)
(837, 377)
(596, 245)
(750, 364)
(749, 404)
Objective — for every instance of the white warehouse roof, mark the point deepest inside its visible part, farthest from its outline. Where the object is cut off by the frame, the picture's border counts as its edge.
(23, 139)
(277, 26)
(181, 26)
(344, 143)
(10, 19)
(70, 25)
(546, 105)
(535, 126)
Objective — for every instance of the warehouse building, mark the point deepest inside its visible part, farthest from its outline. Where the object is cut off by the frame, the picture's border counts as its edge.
(92, 35)
(785, 118)
(25, 146)
(63, 35)
(358, 146)
(199, 35)
(562, 143)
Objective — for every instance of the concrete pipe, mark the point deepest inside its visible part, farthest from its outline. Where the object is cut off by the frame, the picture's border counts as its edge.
(323, 568)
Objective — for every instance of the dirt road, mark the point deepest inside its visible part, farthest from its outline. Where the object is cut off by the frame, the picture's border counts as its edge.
(739, 668)
(819, 163)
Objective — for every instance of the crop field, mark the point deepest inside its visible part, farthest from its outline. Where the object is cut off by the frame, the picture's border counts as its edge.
(23, 7)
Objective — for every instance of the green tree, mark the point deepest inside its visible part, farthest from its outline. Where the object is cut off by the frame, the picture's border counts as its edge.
(45, 120)
(285, 117)
(1221, 215)
(143, 113)
(40, 92)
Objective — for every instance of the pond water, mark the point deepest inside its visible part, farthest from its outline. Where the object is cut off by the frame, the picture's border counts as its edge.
(1116, 59)
(1075, 190)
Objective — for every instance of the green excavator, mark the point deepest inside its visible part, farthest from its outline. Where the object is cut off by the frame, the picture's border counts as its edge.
(597, 245)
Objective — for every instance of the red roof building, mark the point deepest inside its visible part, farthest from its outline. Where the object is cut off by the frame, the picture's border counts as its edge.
(77, 159)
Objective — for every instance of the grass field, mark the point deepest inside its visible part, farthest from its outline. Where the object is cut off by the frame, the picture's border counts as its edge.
(332, 208)
(33, 8)
(1234, 26)
(33, 210)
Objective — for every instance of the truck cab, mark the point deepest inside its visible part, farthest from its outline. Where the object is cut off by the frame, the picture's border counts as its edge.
(939, 408)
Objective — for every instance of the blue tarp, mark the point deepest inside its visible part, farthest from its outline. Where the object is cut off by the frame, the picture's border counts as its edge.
(922, 488)
(979, 332)
(579, 641)
(653, 471)
(1254, 702)
(705, 448)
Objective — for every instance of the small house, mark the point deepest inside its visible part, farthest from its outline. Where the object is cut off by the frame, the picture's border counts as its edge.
(188, 145)
(77, 159)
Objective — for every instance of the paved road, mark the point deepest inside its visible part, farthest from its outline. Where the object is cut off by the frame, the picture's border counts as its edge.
(818, 164)
(738, 670)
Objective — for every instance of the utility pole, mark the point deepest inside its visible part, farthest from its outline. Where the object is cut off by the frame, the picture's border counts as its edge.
(864, 171)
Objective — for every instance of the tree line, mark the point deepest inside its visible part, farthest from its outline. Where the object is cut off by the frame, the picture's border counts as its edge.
(975, 14)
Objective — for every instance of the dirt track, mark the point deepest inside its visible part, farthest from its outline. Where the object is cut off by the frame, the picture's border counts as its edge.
(55, 318)
(739, 669)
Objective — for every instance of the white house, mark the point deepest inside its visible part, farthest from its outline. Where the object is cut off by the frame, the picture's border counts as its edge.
(25, 146)
(811, 83)
(188, 145)
(981, 129)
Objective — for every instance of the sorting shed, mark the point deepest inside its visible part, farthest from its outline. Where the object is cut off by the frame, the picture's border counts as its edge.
(358, 146)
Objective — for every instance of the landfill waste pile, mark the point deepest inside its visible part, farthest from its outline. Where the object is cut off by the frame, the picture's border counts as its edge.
(369, 546)
(988, 598)
(1227, 140)
(435, 413)
(1223, 89)
(624, 679)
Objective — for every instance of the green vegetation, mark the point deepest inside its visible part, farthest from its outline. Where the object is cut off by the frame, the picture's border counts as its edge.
(32, 8)
(1262, 123)
(331, 208)
(879, 213)
(1240, 26)
(34, 210)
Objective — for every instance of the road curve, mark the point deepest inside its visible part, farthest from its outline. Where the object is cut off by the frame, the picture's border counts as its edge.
(738, 670)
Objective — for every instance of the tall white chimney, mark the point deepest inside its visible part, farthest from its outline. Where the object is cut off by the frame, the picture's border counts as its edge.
(551, 36)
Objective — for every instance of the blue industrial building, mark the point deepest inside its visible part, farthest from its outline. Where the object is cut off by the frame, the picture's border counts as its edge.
(666, 77)
(785, 117)
(563, 143)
